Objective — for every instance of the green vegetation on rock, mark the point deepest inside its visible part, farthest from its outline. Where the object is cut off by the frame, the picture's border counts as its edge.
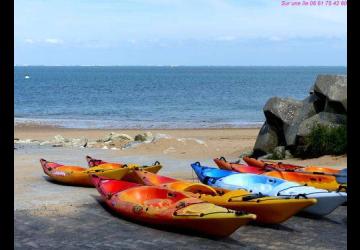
(323, 140)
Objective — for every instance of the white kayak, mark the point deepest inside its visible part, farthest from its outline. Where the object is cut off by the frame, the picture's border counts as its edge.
(327, 201)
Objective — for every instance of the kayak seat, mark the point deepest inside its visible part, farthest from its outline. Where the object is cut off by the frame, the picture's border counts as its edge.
(159, 203)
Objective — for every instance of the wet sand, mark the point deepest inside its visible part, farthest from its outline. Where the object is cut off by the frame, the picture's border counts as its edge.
(72, 218)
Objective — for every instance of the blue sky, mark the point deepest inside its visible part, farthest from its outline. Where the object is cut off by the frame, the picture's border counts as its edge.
(178, 32)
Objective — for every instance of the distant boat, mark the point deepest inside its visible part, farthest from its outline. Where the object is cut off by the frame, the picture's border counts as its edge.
(27, 77)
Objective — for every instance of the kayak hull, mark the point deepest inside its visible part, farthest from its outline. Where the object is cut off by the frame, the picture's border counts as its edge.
(241, 168)
(78, 176)
(319, 181)
(268, 210)
(290, 167)
(170, 209)
(326, 201)
(130, 176)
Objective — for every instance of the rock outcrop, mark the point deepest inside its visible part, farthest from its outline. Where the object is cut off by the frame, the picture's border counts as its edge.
(289, 120)
(112, 140)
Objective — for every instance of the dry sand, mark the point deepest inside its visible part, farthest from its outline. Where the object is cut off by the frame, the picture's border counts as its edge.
(183, 143)
(184, 146)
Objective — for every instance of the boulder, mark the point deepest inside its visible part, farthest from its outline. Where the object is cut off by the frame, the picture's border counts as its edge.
(280, 114)
(60, 139)
(280, 111)
(322, 118)
(145, 137)
(140, 137)
(334, 88)
(79, 142)
(309, 107)
(121, 137)
(115, 137)
(266, 140)
(288, 121)
(314, 102)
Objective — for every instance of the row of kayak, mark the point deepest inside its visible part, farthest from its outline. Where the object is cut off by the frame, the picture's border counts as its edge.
(224, 201)
(319, 177)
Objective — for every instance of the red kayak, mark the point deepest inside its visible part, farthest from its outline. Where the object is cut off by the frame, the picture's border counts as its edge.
(167, 208)
(237, 167)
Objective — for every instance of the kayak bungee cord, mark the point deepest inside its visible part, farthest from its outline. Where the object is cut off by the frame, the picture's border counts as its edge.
(181, 206)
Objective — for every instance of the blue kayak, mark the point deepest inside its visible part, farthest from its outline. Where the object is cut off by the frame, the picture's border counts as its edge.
(327, 201)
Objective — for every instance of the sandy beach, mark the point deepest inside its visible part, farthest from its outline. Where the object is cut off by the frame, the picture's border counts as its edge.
(39, 201)
(195, 144)
(176, 151)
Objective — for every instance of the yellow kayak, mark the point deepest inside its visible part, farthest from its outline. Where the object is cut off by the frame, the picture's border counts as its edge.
(270, 210)
(130, 176)
(79, 176)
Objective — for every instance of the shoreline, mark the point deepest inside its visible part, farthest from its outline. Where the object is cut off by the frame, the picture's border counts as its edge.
(41, 126)
(189, 144)
(178, 143)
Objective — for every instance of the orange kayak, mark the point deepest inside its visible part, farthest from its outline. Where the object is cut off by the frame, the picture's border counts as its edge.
(130, 176)
(321, 178)
(315, 180)
(289, 167)
(76, 175)
(163, 207)
(269, 210)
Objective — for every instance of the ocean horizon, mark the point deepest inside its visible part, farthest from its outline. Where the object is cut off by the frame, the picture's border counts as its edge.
(156, 97)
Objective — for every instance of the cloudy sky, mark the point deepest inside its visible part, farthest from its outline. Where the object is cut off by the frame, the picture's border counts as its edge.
(178, 32)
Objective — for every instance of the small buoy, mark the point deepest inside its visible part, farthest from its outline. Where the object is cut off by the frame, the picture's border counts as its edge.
(27, 77)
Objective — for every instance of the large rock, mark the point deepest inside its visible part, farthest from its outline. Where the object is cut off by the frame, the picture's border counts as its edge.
(322, 118)
(289, 120)
(309, 107)
(280, 114)
(266, 140)
(334, 88)
(280, 111)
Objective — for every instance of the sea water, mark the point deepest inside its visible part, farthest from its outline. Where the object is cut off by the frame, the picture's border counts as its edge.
(155, 97)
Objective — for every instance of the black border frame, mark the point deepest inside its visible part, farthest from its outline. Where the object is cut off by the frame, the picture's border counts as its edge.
(7, 124)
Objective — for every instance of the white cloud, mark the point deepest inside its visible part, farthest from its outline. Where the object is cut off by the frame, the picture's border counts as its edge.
(53, 41)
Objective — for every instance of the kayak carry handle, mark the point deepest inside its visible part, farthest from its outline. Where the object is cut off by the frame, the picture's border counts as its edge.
(222, 158)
